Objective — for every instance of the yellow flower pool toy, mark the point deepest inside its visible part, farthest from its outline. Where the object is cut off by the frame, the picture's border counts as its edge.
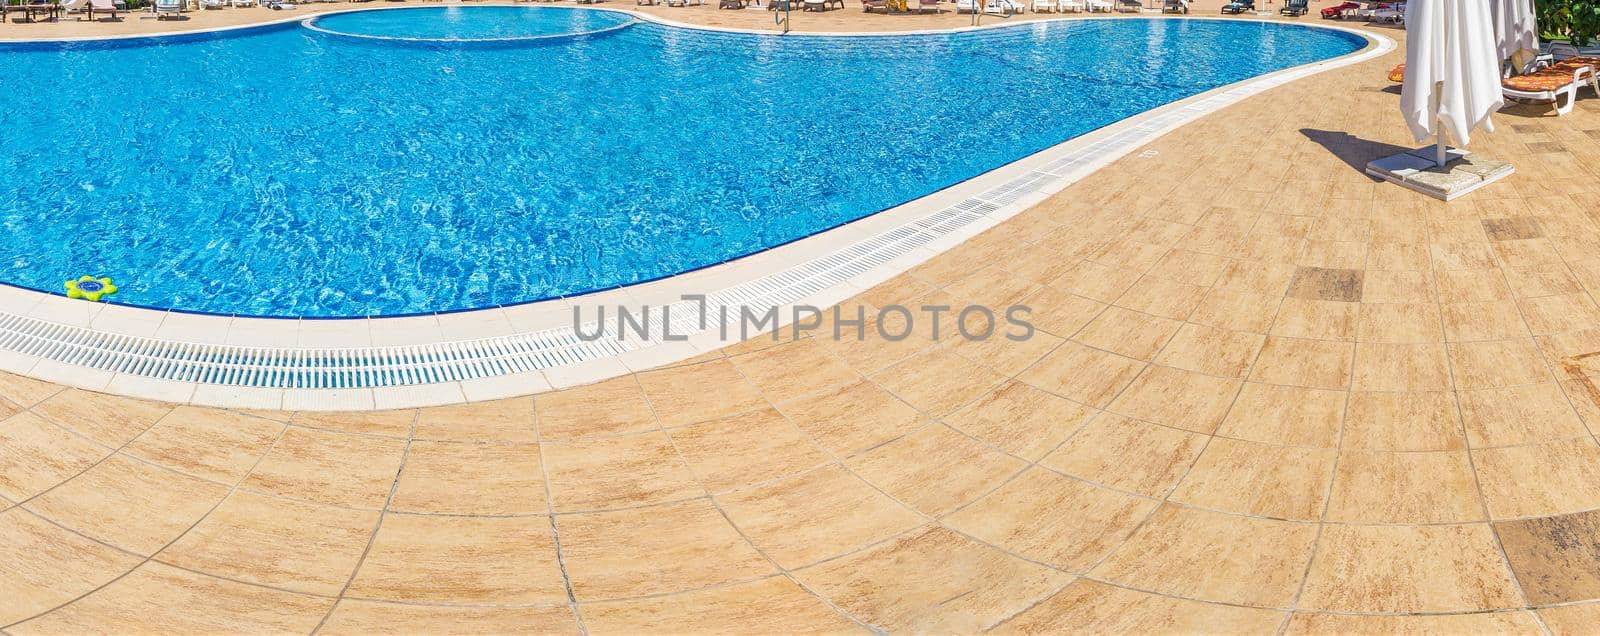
(90, 288)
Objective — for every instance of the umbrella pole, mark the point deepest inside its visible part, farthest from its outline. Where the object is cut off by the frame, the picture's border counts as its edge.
(1438, 147)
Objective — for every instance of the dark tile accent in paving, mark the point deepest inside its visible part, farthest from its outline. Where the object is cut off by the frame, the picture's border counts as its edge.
(1547, 146)
(1320, 283)
(1593, 133)
(1513, 228)
(1557, 559)
(1527, 128)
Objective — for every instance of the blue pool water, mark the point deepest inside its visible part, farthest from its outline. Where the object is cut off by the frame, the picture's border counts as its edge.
(283, 171)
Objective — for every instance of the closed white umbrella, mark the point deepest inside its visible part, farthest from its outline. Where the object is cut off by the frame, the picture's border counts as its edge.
(1515, 28)
(1452, 82)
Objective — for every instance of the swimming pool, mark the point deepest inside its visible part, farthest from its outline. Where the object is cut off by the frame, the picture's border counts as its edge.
(285, 171)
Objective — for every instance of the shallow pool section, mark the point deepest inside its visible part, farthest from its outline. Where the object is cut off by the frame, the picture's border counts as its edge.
(471, 24)
(282, 171)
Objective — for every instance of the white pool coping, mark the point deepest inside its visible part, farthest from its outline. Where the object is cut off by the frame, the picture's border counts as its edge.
(415, 361)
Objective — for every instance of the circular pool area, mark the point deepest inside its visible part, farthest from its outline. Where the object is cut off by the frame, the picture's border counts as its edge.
(471, 24)
(287, 171)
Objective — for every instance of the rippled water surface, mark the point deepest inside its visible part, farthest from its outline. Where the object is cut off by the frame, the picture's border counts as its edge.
(287, 172)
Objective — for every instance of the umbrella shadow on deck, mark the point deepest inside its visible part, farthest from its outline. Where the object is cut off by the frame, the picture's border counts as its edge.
(1353, 151)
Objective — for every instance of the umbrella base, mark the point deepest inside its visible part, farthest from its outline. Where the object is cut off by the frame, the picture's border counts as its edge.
(1417, 170)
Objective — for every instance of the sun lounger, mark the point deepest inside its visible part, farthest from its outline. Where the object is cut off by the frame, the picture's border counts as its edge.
(163, 8)
(1551, 84)
(1129, 6)
(923, 6)
(725, 4)
(32, 10)
(1175, 6)
(1295, 8)
(1075, 6)
(241, 3)
(213, 4)
(1042, 6)
(875, 5)
(1099, 6)
(103, 6)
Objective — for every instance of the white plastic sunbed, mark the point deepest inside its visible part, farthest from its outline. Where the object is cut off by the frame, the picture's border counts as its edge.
(1041, 6)
(1562, 97)
(242, 3)
(1100, 6)
(1075, 6)
(167, 7)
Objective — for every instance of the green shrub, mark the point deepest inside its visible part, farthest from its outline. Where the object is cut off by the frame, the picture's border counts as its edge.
(1577, 20)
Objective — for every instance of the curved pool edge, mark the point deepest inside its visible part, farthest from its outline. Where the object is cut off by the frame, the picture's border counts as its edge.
(359, 364)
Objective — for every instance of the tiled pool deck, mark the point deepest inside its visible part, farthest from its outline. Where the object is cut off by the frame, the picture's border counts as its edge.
(1267, 395)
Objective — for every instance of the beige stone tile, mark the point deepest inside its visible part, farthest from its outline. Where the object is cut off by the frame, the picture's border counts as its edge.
(1095, 281)
(1237, 310)
(885, 339)
(355, 471)
(1288, 415)
(300, 547)
(1319, 319)
(24, 391)
(1472, 286)
(157, 598)
(1128, 455)
(1334, 255)
(1267, 279)
(36, 455)
(1128, 333)
(1410, 323)
(793, 369)
(43, 566)
(1502, 363)
(852, 418)
(1020, 419)
(1559, 314)
(1316, 280)
(369, 617)
(611, 407)
(1518, 415)
(1458, 256)
(1164, 298)
(1385, 487)
(696, 393)
(129, 504)
(207, 443)
(1089, 607)
(1401, 367)
(774, 605)
(1218, 352)
(461, 560)
(936, 469)
(745, 449)
(817, 515)
(617, 472)
(1487, 623)
(1082, 374)
(1053, 519)
(1492, 320)
(1408, 257)
(107, 419)
(1554, 558)
(996, 350)
(463, 478)
(497, 421)
(1190, 268)
(1571, 619)
(1317, 364)
(1539, 480)
(1060, 313)
(1397, 287)
(1197, 554)
(937, 381)
(1408, 569)
(655, 550)
(1177, 398)
(1402, 422)
(889, 586)
(387, 423)
(1280, 482)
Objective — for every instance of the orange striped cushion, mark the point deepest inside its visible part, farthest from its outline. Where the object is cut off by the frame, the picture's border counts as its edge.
(1539, 82)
